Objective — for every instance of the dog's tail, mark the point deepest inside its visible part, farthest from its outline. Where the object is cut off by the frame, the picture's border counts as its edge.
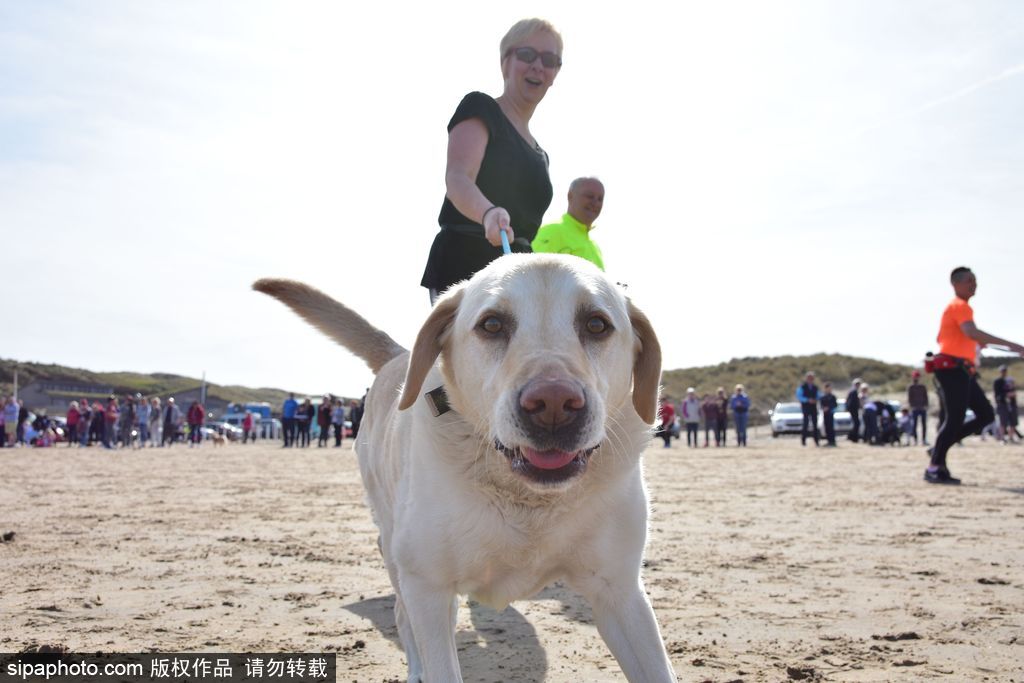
(334, 319)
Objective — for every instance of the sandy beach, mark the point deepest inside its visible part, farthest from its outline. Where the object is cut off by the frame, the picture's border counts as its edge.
(770, 563)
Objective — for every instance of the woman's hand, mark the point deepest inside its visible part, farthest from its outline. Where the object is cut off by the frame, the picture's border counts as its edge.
(496, 221)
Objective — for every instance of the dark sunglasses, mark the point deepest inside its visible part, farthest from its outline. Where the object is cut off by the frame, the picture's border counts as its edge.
(528, 55)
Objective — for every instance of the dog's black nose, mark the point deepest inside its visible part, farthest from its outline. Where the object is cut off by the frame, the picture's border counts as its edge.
(552, 403)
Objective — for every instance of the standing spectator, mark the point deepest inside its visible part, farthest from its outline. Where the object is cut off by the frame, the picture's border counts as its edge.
(338, 421)
(740, 405)
(196, 416)
(11, 422)
(172, 420)
(126, 423)
(1011, 432)
(959, 339)
(288, 411)
(808, 395)
(690, 412)
(356, 414)
(668, 419)
(84, 422)
(572, 235)
(323, 421)
(22, 419)
(871, 432)
(709, 407)
(1000, 390)
(142, 414)
(72, 422)
(723, 417)
(247, 428)
(1014, 413)
(828, 414)
(304, 416)
(853, 407)
(496, 176)
(917, 399)
(156, 435)
(98, 428)
(112, 414)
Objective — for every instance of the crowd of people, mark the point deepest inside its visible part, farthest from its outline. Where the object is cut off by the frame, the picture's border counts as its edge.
(711, 411)
(136, 421)
(297, 420)
(133, 421)
(872, 421)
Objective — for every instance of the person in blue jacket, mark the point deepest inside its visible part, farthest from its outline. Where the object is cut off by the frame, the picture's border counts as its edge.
(288, 410)
(740, 405)
(808, 395)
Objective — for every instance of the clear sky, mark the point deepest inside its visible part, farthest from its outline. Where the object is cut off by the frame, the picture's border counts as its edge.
(781, 177)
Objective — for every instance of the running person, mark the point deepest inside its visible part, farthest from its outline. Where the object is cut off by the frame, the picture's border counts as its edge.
(955, 373)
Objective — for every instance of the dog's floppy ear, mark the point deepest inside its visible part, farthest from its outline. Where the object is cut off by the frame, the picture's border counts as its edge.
(646, 366)
(428, 346)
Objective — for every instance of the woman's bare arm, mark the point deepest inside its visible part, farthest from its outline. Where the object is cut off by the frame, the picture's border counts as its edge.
(467, 142)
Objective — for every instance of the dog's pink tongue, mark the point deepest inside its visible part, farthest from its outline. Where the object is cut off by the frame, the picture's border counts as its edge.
(548, 460)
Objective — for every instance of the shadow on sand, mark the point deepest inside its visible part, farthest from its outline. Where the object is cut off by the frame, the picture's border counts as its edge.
(500, 642)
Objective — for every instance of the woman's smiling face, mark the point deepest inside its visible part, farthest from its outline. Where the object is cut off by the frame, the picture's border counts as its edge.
(530, 81)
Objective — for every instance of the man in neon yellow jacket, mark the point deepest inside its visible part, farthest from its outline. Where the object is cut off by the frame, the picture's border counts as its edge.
(572, 235)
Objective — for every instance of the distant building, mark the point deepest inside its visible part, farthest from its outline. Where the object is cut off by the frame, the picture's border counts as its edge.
(53, 396)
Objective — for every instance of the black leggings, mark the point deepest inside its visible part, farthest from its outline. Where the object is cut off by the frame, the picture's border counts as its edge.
(960, 390)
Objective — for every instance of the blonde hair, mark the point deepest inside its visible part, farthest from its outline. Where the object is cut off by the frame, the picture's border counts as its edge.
(526, 27)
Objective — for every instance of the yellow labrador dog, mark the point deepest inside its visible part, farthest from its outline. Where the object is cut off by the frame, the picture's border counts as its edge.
(503, 452)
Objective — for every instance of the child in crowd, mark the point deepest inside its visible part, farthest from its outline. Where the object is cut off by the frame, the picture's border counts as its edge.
(906, 425)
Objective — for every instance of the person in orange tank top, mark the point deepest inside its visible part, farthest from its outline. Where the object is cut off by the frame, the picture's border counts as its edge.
(959, 339)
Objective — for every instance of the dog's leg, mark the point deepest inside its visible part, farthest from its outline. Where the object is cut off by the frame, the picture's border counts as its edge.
(431, 611)
(626, 622)
(412, 655)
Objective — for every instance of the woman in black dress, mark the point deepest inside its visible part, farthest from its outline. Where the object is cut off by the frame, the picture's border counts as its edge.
(496, 177)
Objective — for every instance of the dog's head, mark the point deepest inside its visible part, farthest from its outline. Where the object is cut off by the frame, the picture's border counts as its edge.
(541, 353)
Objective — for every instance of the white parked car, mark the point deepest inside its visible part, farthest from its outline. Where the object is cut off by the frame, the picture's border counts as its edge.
(786, 418)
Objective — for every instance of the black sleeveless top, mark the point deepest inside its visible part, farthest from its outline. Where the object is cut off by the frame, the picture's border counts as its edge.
(513, 175)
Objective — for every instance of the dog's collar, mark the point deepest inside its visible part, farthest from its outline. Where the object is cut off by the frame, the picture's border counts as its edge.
(437, 399)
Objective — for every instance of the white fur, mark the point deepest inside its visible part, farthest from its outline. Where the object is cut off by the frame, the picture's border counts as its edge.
(454, 517)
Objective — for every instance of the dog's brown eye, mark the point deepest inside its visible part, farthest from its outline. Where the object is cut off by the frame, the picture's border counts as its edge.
(597, 325)
(491, 325)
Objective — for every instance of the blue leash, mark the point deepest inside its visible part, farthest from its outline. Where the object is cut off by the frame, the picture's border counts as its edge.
(504, 243)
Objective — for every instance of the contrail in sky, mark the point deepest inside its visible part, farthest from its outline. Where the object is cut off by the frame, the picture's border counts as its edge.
(974, 87)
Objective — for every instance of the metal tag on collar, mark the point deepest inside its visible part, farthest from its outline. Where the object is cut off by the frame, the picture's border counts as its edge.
(437, 399)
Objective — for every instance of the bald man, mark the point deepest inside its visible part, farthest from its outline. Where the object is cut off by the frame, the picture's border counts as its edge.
(572, 235)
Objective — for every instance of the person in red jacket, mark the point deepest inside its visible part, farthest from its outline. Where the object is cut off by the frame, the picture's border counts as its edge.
(247, 431)
(196, 416)
(72, 422)
(668, 420)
